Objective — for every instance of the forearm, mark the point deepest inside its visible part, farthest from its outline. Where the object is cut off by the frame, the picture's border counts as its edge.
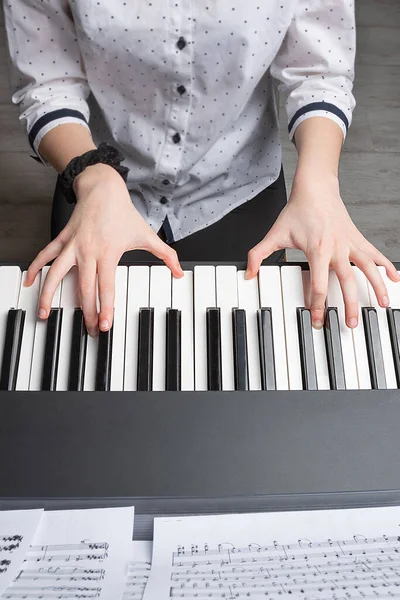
(64, 142)
(318, 141)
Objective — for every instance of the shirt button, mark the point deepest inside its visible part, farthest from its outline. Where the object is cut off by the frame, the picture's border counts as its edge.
(181, 89)
(165, 181)
(176, 138)
(181, 43)
(163, 200)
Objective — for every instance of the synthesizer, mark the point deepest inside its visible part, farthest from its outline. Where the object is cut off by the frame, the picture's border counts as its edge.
(210, 392)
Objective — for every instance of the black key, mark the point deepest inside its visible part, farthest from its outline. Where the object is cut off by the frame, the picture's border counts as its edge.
(333, 344)
(12, 349)
(240, 349)
(374, 348)
(103, 366)
(52, 349)
(214, 362)
(145, 350)
(173, 351)
(393, 316)
(78, 352)
(266, 343)
(307, 356)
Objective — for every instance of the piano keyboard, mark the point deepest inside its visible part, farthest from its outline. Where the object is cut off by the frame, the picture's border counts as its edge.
(210, 330)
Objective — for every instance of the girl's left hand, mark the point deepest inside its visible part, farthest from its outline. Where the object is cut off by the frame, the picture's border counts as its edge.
(316, 221)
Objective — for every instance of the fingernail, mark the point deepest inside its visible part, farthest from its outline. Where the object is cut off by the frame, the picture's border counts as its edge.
(104, 324)
(385, 300)
(397, 276)
(317, 324)
(352, 322)
(247, 275)
(42, 313)
(93, 332)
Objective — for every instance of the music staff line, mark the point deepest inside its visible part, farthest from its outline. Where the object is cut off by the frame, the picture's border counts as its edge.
(42, 596)
(231, 555)
(61, 574)
(301, 543)
(68, 552)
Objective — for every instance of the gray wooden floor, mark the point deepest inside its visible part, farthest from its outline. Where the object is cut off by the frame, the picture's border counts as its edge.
(370, 165)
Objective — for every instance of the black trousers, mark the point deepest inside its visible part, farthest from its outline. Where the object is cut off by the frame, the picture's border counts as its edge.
(227, 240)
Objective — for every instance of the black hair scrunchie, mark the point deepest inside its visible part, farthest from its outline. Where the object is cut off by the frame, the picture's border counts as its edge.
(105, 153)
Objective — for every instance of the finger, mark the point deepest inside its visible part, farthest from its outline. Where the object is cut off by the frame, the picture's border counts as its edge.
(369, 268)
(106, 283)
(319, 273)
(167, 254)
(57, 271)
(48, 253)
(259, 252)
(87, 293)
(348, 286)
(391, 271)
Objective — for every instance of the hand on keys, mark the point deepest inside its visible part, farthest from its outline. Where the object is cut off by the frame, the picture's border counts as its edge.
(316, 221)
(103, 226)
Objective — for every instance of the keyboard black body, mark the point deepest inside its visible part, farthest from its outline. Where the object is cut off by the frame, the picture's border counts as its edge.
(197, 452)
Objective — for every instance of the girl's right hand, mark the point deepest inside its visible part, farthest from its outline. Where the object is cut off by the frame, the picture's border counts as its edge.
(103, 226)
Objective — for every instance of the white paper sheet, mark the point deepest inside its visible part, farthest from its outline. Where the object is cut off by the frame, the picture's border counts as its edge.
(17, 528)
(313, 555)
(138, 570)
(77, 554)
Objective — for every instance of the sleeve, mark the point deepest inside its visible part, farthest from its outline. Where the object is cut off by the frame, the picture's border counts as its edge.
(315, 63)
(47, 76)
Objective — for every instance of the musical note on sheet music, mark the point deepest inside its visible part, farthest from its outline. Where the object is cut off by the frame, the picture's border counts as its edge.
(76, 554)
(310, 555)
(17, 529)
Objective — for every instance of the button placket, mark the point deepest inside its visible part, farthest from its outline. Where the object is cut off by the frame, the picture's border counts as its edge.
(181, 56)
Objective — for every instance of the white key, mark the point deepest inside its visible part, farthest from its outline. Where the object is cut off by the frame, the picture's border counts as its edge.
(118, 340)
(204, 297)
(321, 362)
(335, 298)
(269, 281)
(160, 300)
(138, 297)
(360, 346)
(249, 300)
(68, 302)
(227, 298)
(28, 301)
(35, 382)
(89, 380)
(182, 299)
(393, 289)
(10, 281)
(388, 363)
(293, 297)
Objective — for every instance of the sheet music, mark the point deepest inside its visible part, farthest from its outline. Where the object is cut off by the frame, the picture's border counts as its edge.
(313, 555)
(77, 554)
(17, 528)
(138, 570)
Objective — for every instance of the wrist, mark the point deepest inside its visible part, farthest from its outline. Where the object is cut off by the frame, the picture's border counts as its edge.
(93, 175)
(311, 175)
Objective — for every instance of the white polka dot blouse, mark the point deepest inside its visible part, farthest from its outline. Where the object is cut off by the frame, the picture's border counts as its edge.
(186, 90)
